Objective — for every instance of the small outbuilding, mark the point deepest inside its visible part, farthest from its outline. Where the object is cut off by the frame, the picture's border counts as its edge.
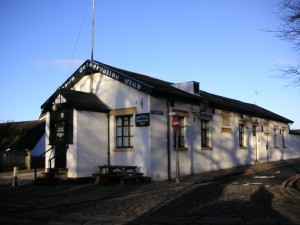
(21, 143)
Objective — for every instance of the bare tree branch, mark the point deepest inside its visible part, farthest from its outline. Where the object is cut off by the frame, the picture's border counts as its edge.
(289, 30)
(292, 74)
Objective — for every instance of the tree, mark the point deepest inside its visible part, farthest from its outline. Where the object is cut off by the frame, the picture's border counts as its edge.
(289, 30)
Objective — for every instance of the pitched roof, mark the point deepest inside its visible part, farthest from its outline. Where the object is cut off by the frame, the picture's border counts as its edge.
(166, 90)
(21, 135)
(78, 100)
(242, 107)
(158, 87)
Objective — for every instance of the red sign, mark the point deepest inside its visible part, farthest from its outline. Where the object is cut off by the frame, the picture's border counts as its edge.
(175, 123)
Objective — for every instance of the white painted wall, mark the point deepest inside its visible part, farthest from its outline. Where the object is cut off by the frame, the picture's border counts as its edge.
(293, 145)
(140, 156)
(150, 143)
(92, 147)
(50, 153)
(119, 96)
(226, 152)
(159, 155)
(113, 93)
(72, 150)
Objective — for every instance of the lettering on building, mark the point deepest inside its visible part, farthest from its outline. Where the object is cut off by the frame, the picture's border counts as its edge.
(94, 67)
(68, 82)
(112, 74)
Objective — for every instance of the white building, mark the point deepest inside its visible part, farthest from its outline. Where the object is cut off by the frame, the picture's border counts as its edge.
(105, 115)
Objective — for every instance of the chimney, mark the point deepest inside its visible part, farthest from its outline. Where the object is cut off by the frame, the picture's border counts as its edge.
(192, 87)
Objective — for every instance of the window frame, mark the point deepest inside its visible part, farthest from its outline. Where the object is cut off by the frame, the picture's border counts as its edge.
(242, 143)
(283, 139)
(126, 131)
(254, 131)
(276, 138)
(226, 119)
(205, 137)
(181, 134)
(226, 124)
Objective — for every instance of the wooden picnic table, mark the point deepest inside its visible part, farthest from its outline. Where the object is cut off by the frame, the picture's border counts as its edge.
(117, 172)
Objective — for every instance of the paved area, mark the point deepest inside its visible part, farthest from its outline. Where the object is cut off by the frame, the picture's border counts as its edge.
(198, 199)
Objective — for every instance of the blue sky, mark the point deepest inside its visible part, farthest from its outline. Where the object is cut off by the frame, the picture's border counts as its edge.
(221, 44)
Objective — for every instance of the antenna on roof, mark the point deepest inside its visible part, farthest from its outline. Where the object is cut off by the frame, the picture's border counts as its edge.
(255, 95)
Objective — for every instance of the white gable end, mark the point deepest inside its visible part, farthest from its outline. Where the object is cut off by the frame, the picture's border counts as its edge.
(114, 94)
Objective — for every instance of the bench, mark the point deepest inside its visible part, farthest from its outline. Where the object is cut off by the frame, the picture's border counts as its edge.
(120, 173)
(131, 176)
(103, 178)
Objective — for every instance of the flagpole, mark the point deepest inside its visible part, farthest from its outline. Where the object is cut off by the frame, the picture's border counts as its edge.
(92, 51)
(93, 7)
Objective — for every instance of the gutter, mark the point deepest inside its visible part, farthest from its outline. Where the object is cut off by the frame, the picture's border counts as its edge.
(108, 139)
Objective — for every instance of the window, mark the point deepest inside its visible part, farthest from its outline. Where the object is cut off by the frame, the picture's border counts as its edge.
(124, 127)
(254, 131)
(283, 139)
(242, 135)
(266, 128)
(180, 134)
(196, 88)
(226, 118)
(203, 107)
(226, 122)
(275, 138)
(204, 133)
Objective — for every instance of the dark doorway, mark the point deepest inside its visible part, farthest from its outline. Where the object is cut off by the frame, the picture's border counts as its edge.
(61, 135)
(60, 155)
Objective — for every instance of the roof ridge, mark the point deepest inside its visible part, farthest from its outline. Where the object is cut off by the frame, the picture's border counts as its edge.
(251, 108)
(136, 73)
(118, 69)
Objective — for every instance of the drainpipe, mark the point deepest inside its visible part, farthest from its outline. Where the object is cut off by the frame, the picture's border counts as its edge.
(92, 83)
(267, 148)
(168, 140)
(108, 139)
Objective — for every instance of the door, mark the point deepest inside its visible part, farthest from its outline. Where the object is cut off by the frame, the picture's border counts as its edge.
(255, 147)
(60, 155)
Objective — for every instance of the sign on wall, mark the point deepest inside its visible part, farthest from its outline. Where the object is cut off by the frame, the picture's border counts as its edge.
(61, 127)
(142, 119)
(175, 123)
(155, 112)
